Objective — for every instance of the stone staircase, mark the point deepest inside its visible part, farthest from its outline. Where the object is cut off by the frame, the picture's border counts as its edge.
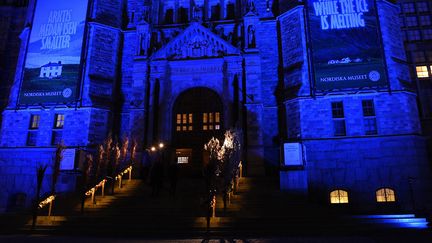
(258, 208)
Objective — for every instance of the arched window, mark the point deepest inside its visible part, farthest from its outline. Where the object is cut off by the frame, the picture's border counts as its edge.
(338, 196)
(385, 195)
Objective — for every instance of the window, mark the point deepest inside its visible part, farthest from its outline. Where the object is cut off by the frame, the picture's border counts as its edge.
(385, 195)
(370, 123)
(57, 133)
(338, 119)
(132, 17)
(169, 16)
(422, 7)
(183, 15)
(408, 7)
(422, 72)
(211, 121)
(429, 55)
(184, 122)
(413, 35)
(57, 136)
(31, 138)
(425, 20)
(183, 160)
(418, 56)
(230, 11)
(338, 196)
(411, 21)
(183, 155)
(59, 121)
(34, 121)
(215, 12)
(32, 133)
(427, 34)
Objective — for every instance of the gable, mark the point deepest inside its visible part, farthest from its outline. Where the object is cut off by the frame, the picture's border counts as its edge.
(196, 41)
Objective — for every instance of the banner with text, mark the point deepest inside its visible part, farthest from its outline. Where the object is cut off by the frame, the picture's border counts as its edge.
(52, 66)
(346, 45)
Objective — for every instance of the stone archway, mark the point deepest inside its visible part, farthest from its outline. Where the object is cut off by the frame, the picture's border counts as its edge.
(197, 117)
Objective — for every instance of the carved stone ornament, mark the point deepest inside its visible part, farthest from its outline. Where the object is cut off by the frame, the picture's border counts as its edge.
(195, 42)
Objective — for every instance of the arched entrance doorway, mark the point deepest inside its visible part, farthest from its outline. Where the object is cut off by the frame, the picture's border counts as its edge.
(197, 117)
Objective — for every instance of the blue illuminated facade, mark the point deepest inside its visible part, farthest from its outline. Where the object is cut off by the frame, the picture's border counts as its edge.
(183, 71)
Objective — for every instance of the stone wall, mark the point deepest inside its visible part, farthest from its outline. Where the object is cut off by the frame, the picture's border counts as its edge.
(18, 176)
(363, 165)
(395, 114)
(16, 124)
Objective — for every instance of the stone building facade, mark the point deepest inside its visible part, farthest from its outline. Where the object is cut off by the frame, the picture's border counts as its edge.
(180, 72)
(13, 15)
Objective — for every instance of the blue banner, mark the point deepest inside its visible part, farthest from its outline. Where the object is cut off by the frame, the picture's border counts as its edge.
(52, 66)
(346, 44)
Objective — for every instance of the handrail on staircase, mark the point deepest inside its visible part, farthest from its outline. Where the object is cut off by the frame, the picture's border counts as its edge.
(119, 176)
(92, 191)
(48, 201)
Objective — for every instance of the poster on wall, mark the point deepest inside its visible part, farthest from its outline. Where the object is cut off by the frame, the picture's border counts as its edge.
(293, 154)
(346, 44)
(52, 66)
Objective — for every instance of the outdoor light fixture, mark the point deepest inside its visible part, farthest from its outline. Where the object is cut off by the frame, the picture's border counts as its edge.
(153, 149)
(161, 145)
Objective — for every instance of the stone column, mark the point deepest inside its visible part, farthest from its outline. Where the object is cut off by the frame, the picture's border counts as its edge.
(254, 110)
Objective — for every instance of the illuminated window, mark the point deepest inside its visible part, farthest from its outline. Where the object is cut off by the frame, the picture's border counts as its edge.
(211, 121)
(338, 196)
(184, 122)
(34, 121)
(338, 119)
(370, 123)
(422, 72)
(59, 121)
(385, 195)
(57, 133)
(183, 155)
(183, 160)
(32, 134)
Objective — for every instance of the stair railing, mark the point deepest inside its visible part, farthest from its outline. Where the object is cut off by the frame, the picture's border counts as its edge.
(94, 189)
(119, 177)
(48, 201)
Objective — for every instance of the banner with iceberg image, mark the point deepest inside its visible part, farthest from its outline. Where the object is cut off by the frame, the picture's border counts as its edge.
(52, 66)
(346, 44)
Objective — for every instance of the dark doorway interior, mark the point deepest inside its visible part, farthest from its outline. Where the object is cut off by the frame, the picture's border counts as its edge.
(197, 117)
